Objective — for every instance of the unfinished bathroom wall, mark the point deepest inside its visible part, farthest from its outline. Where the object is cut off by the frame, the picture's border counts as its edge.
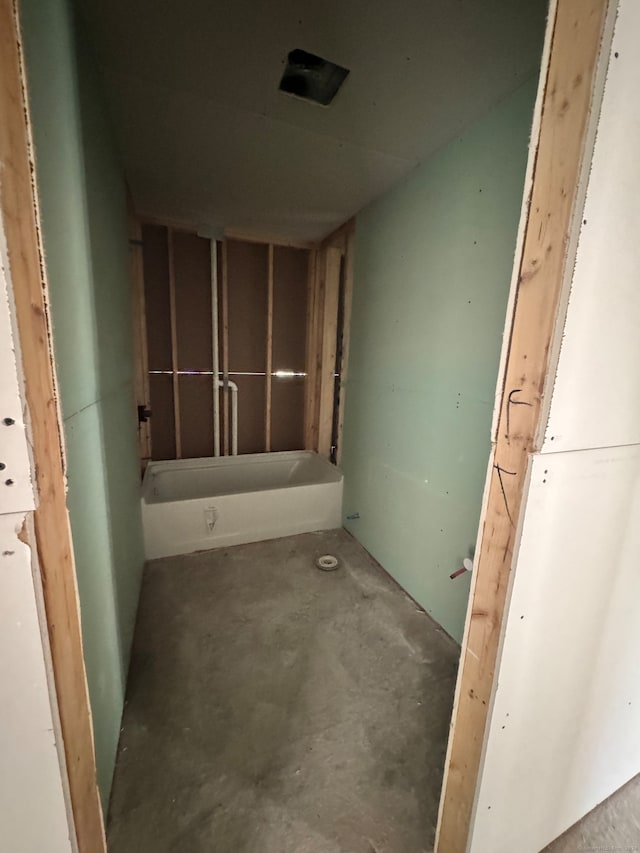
(83, 213)
(433, 263)
(262, 292)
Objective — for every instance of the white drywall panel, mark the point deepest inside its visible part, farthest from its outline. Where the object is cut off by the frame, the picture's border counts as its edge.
(33, 814)
(596, 398)
(564, 730)
(16, 492)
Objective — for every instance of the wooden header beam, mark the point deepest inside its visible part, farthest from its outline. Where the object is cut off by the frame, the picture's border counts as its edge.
(575, 42)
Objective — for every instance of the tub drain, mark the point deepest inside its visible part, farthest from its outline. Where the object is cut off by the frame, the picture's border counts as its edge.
(327, 563)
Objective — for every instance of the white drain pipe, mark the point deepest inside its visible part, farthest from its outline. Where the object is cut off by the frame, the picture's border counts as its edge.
(234, 413)
(214, 341)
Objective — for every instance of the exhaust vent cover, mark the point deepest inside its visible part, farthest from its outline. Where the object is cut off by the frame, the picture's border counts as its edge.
(312, 78)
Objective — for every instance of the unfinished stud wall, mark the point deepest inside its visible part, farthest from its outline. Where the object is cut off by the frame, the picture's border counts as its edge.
(262, 337)
(563, 733)
(83, 212)
(433, 263)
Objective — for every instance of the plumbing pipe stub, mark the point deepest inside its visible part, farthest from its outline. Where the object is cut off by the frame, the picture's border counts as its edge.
(327, 563)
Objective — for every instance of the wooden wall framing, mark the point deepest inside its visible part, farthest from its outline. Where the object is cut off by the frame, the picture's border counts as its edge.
(52, 535)
(332, 259)
(329, 279)
(574, 37)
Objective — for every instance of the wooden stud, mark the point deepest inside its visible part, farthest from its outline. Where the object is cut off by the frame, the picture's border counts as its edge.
(174, 344)
(52, 534)
(331, 277)
(310, 360)
(346, 330)
(577, 31)
(141, 362)
(269, 360)
(225, 348)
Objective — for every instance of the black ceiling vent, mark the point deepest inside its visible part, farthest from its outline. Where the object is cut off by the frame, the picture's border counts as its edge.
(312, 78)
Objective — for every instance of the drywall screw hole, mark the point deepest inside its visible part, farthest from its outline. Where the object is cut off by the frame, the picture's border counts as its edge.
(8, 482)
(522, 617)
(616, 54)
(544, 481)
(2, 466)
(8, 422)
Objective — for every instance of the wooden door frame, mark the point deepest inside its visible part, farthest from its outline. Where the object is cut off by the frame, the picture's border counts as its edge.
(51, 536)
(575, 32)
(570, 92)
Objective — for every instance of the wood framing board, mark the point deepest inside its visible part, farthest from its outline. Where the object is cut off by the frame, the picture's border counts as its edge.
(141, 361)
(576, 31)
(224, 312)
(52, 535)
(564, 733)
(310, 396)
(269, 353)
(596, 397)
(174, 343)
(331, 291)
(349, 261)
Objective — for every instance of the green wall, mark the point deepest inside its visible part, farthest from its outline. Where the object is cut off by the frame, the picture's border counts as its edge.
(83, 212)
(433, 263)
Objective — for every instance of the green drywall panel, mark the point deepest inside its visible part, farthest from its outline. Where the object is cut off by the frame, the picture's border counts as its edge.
(82, 201)
(433, 263)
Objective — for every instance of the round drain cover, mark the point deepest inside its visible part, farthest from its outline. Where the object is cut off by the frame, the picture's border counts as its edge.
(328, 563)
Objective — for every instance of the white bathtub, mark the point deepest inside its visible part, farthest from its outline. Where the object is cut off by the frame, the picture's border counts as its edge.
(196, 504)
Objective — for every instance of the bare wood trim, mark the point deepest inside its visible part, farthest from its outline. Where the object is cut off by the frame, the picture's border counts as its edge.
(333, 258)
(339, 238)
(52, 540)
(346, 329)
(269, 365)
(225, 348)
(265, 239)
(576, 39)
(318, 325)
(311, 350)
(140, 353)
(174, 344)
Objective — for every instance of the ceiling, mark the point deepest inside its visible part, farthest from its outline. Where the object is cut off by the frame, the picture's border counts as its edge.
(208, 140)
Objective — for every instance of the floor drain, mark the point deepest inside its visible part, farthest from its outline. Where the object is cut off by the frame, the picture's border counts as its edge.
(327, 563)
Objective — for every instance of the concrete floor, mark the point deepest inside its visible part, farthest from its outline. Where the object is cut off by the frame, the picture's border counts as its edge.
(274, 708)
(613, 826)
